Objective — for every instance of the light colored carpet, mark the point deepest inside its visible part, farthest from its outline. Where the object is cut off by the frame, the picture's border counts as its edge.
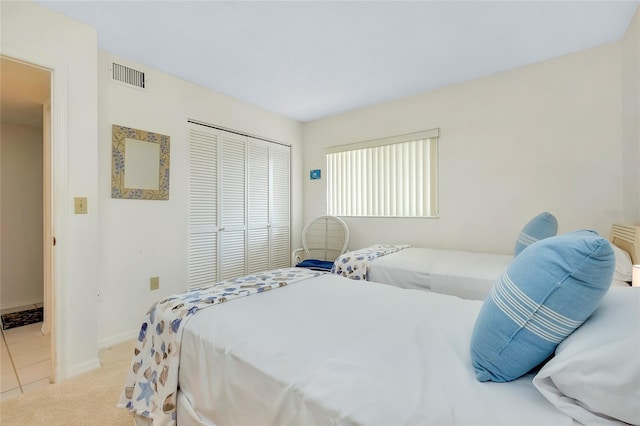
(89, 399)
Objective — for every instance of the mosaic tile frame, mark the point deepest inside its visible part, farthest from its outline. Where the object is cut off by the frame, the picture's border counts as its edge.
(118, 166)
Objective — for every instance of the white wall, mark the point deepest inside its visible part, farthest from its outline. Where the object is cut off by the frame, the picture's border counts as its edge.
(21, 224)
(116, 251)
(141, 238)
(542, 137)
(39, 36)
(631, 121)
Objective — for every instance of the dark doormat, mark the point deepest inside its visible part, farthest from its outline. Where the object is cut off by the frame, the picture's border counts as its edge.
(18, 319)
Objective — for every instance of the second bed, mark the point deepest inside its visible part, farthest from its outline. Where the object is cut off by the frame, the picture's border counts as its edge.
(468, 275)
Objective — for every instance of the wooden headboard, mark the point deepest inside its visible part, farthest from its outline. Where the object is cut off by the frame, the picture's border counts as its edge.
(627, 237)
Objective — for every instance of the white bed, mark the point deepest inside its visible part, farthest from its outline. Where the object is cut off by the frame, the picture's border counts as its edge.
(329, 350)
(468, 275)
(384, 356)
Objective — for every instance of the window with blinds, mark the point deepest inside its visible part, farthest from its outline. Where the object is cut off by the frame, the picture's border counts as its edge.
(390, 177)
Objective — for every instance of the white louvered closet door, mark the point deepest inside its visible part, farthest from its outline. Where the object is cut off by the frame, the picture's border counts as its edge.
(280, 246)
(268, 192)
(233, 205)
(258, 215)
(203, 206)
(238, 205)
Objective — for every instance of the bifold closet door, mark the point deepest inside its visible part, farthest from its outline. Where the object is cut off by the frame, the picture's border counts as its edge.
(203, 206)
(239, 208)
(259, 194)
(268, 192)
(233, 205)
(280, 207)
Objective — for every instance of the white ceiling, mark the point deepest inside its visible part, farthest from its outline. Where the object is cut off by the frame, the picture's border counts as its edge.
(312, 59)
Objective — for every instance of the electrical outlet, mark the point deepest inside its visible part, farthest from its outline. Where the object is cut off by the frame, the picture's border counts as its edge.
(154, 283)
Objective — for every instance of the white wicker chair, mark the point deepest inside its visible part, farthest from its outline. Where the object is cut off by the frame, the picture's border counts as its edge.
(324, 238)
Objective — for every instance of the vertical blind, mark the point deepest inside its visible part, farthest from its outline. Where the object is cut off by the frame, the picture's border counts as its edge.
(391, 177)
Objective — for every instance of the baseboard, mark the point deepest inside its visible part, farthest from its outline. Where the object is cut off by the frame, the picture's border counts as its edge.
(117, 339)
(23, 302)
(85, 367)
(92, 364)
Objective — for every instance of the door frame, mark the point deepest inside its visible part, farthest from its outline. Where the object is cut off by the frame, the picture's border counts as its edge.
(57, 187)
(48, 238)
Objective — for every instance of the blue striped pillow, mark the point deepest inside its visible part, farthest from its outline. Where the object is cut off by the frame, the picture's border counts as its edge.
(542, 226)
(548, 291)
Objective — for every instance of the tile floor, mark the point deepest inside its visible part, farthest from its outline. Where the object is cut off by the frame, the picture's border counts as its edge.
(26, 358)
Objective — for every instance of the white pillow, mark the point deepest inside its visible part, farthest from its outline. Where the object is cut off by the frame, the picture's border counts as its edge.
(624, 266)
(618, 283)
(594, 376)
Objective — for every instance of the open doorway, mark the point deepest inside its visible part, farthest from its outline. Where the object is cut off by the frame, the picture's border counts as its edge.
(26, 237)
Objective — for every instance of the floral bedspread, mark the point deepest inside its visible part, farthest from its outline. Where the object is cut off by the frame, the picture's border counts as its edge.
(152, 383)
(355, 264)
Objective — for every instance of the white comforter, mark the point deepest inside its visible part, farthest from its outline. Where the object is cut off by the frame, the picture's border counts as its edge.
(333, 351)
(464, 274)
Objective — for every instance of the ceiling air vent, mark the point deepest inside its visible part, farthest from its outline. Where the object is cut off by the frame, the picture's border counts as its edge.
(129, 76)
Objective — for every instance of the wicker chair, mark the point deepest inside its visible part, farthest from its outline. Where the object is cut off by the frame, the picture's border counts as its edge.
(323, 240)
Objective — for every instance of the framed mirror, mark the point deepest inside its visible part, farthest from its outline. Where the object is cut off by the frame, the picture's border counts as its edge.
(139, 164)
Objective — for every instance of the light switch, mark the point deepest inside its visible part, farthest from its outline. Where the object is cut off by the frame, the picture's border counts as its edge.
(80, 204)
